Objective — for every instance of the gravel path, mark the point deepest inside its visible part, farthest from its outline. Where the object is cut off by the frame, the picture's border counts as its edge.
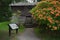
(28, 34)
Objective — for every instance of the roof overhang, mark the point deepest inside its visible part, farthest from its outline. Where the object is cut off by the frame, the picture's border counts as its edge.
(22, 4)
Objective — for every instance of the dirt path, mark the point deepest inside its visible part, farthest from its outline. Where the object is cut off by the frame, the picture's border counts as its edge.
(28, 34)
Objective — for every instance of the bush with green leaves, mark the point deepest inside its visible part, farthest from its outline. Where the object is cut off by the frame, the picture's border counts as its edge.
(5, 13)
(47, 13)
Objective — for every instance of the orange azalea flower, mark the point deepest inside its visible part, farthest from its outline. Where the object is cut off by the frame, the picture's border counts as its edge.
(37, 11)
(57, 21)
(44, 8)
(55, 28)
(57, 15)
(44, 17)
(44, 13)
(56, 11)
(58, 8)
(52, 12)
(53, 2)
(50, 19)
(40, 15)
(50, 8)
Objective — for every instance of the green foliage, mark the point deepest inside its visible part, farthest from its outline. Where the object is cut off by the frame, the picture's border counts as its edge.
(4, 26)
(21, 29)
(5, 12)
(47, 12)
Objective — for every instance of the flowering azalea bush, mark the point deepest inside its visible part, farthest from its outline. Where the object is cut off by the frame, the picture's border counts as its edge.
(47, 12)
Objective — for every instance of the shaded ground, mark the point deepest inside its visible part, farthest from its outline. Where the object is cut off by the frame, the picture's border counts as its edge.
(50, 35)
(47, 34)
(4, 35)
(13, 35)
(28, 34)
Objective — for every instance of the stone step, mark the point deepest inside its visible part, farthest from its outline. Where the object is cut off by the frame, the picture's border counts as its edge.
(28, 26)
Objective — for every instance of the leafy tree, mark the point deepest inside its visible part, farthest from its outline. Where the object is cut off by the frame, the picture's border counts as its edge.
(4, 10)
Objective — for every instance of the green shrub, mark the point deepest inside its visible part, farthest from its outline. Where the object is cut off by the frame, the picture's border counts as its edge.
(5, 11)
(48, 13)
(21, 28)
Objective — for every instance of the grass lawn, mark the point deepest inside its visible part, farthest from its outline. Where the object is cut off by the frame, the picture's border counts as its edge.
(4, 26)
(4, 31)
(47, 35)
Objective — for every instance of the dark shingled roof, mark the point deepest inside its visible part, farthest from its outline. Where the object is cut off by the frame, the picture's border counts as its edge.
(22, 4)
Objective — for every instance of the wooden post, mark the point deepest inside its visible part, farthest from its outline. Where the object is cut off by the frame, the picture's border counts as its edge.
(9, 31)
(16, 31)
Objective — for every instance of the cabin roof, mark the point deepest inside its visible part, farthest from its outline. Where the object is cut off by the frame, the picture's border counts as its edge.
(22, 4)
